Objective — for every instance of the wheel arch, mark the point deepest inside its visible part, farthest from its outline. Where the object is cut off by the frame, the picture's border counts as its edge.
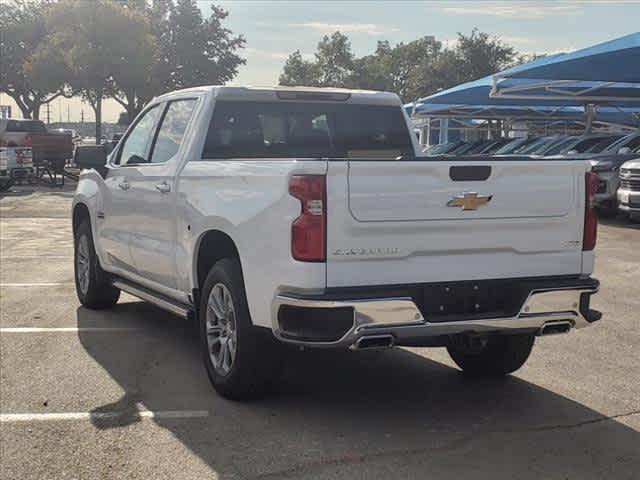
(212, 246)
(80, 213)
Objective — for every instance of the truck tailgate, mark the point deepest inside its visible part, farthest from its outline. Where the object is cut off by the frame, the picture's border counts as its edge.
(415, 221)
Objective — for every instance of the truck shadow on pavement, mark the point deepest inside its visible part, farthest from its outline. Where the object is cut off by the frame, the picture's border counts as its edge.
(619, 222)
(383, 414)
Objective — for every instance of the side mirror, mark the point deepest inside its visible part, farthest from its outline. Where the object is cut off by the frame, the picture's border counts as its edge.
(135, 160)
(90, 156)
(624, 151)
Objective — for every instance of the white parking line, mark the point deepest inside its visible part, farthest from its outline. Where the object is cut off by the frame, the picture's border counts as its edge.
(65, 329)
(38, 284)
(54, 417)
(39, 257)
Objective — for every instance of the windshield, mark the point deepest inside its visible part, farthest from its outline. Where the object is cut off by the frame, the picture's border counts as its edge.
(558, 146)
(535, 146)
(630, 141)
(511, 146)
(601, 145)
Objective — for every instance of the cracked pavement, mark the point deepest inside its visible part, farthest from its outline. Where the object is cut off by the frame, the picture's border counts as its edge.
(573, 411)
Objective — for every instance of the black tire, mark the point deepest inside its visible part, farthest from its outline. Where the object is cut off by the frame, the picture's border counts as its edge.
(608, 210)
(501, 355)
(97, 293)
(5, 185)
(258, 355)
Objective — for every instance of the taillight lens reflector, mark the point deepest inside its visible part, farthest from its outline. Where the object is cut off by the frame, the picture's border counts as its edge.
(309, 229)
(590, 233)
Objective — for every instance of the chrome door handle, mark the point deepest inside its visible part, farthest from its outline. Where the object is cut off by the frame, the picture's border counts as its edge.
(163, 187)
(124, 185)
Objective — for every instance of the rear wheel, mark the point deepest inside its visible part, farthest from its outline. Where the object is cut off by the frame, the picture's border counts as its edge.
(242, 361)
(93, 287)
(498, 355)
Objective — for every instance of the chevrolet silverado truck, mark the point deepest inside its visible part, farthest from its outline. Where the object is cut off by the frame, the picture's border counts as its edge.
(629, 191)
(46, 146)
(305, 217)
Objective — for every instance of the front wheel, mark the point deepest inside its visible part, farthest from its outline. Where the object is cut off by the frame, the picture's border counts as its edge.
(93, 287)
(498, 355)
(242, 361)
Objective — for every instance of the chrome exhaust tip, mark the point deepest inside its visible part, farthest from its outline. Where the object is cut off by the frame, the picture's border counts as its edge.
(370, 342)
(554, 328)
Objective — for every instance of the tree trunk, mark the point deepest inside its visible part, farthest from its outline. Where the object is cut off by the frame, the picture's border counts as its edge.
(26, 111)
(98, 111)
(35, 107)
(22, 105)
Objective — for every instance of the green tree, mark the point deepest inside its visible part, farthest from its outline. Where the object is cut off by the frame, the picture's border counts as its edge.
(298, 71)
(413, 70)
(334, 60)
(333, 65)
(133, 82)
(394, 68)
(27, 76)
(200, 51)
(95, 41)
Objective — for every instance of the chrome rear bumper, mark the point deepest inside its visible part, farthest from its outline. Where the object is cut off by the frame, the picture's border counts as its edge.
(401, 318)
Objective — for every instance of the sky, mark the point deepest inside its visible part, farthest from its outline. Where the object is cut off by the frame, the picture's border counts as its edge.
(274, 29)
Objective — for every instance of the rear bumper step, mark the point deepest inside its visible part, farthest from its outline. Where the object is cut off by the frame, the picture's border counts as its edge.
(554, 309)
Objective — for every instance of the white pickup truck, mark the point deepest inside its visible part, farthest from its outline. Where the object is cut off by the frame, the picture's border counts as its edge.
(304, 216)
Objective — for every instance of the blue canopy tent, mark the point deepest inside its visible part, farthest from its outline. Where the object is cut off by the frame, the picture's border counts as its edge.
(614, 115)
(514, 95)
(607, 72)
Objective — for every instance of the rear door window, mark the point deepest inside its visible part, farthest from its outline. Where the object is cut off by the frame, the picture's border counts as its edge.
(305, 130)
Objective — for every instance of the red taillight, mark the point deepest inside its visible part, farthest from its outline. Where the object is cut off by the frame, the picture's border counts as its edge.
(590, 217)
(308, 230)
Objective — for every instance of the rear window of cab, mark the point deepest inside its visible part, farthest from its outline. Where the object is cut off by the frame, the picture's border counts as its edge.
(306, 130)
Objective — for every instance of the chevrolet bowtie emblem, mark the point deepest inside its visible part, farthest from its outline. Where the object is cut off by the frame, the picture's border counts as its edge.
(469, 200)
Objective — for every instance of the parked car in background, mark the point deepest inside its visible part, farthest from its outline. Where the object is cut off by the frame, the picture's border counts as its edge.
(584, 145)
(301, 216)
(629, 192)
(442, 148)
(606, 165)
(491, 146)
(75, 137)
(46, 146)
(514, 144)
(16, 164)
(538, 146)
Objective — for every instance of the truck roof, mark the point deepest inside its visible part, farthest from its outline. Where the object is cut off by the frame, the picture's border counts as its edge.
(280, 93)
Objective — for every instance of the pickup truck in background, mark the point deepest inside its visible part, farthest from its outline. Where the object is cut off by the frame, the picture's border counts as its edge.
(46, 146)
(305, 217)
(16, 163)
(629, 191)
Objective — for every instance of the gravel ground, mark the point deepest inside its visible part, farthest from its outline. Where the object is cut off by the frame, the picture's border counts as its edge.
(138, 404)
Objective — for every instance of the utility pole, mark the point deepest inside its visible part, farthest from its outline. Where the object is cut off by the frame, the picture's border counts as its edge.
(68, 113)
(82, 115)
(60, 110)
(48, 112)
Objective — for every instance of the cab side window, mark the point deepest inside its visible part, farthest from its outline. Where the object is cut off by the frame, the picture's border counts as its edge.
(136, 146)
(174, 124)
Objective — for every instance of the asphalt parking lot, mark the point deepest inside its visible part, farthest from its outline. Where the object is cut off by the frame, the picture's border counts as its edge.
(123, 394)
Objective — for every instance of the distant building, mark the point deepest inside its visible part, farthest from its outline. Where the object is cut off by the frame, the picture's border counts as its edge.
(5, 111)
